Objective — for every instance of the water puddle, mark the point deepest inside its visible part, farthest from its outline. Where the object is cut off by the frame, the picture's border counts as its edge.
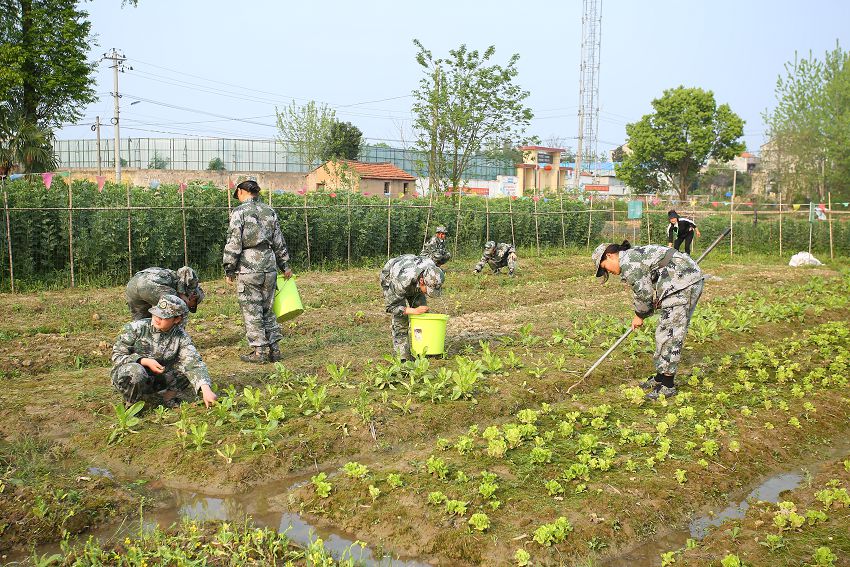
(266, 506)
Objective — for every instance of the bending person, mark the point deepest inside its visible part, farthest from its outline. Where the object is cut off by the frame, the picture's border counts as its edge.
(146, 287)
(660, 278)
(498, 256)
(681, 230)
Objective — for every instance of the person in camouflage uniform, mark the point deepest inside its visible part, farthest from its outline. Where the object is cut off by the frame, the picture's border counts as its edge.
(498, 256)
(406, 281)
(254, 252)
(436, 247)
(146, 287)
(156, 354)
(660, 278)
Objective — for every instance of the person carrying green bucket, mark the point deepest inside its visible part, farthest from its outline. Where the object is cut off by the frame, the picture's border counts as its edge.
(254, 252)
(407, 281)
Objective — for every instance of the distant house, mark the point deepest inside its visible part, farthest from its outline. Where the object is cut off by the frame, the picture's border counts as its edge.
(367, 178)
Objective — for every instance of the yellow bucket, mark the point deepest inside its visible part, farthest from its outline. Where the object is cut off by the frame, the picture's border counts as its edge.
(428, 333)
(287, 301)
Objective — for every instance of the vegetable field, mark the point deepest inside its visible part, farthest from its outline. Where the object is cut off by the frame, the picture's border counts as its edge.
(479, 457)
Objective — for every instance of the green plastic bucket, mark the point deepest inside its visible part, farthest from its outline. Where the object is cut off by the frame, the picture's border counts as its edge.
(287, 301)
(428, 333)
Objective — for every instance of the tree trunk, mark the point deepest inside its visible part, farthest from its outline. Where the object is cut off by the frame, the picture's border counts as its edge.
(30, 100)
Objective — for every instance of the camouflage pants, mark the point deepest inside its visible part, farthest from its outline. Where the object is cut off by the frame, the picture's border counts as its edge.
(508, 260)
(401, 328)
(134, 383)
(676, 313)
(256, 293)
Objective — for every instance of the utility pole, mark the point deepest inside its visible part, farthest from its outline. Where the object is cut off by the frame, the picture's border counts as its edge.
(588, 104)
(118, 60)
(96, 128)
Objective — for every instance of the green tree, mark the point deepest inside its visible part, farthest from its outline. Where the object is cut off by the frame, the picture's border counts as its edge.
(465, 103)
(23, 144)
(809, 128)
(343, 142)
(667, 148)
(306, 127)
(44, 71)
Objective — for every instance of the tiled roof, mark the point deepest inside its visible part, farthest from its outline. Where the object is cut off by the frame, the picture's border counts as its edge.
(379, 171)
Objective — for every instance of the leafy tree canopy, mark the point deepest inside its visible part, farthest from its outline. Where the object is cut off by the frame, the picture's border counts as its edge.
(44, 73)
(464, 103)
(668, 147)
(343, 142)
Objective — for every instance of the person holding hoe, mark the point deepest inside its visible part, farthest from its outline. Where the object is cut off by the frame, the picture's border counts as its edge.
(680, 230)
(146, 287)
(406, 282)
(254, 252)
(497, 256)
(436, 247)
(661, 279)
(154, 359)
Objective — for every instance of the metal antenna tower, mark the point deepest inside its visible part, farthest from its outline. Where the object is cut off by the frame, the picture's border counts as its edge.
(588, 110)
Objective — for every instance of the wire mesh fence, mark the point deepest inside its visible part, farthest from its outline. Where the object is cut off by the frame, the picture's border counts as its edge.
(77, 235)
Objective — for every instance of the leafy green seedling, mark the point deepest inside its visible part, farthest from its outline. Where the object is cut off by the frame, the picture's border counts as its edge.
(126, 420)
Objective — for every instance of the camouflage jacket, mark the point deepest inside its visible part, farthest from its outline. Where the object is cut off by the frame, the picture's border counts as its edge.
(653, 286)
(435, 249)
(174, 350)
(498, 258)
(400, 280)
(152, 283)
(254, 240)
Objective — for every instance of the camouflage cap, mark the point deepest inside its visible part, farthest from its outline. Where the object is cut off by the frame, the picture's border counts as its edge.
(433, 277)
(597, 260)
(441, 229)
(489, 245)
(188, 281)
(169, 307)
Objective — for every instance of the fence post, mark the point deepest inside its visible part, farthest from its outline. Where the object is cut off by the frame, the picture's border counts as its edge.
(732, 211)
(648, 229)
(614, 236)
(536, 224)
(487, 213)
(428, 218)
(307, 232)
(129, 233)
(563, 227)
(349, 229)
(8, 237)
(511, 214)
(811, 224)
(389, 221)
(829, 204)
(183, 211)
(780, 223)
(457, 219)
(589, 221)
(71, 233)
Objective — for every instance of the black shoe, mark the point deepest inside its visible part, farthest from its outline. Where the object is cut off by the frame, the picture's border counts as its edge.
(259, 356)
(274, 353)
(650, 383)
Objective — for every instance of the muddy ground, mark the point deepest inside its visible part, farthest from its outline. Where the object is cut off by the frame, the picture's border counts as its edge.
(56, 396)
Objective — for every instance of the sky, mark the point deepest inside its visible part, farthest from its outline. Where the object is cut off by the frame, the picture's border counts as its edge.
(218, 68)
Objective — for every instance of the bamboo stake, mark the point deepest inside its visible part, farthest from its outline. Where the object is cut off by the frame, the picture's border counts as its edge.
(829, 204)
(71, 232)
(563, 226)
(457, 219)
(487, 213)
(185, 243)
(9, 238)
(732, 211)
(811, 225)
(536, 225)
(511, 213)
(428, 218)
(780, 223)
(589, 221)
(349, 228)
(648, 231)
(307, 231)
(389, 221)
(129, 233)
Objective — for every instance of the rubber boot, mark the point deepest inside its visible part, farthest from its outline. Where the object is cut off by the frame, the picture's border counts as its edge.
(651, 382)
(274, 353)
(259, 356)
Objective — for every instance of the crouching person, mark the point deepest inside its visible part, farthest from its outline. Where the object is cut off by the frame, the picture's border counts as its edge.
(498, 256)
(436, 247)
(407, 281)
(662, 279)
(154, 359)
